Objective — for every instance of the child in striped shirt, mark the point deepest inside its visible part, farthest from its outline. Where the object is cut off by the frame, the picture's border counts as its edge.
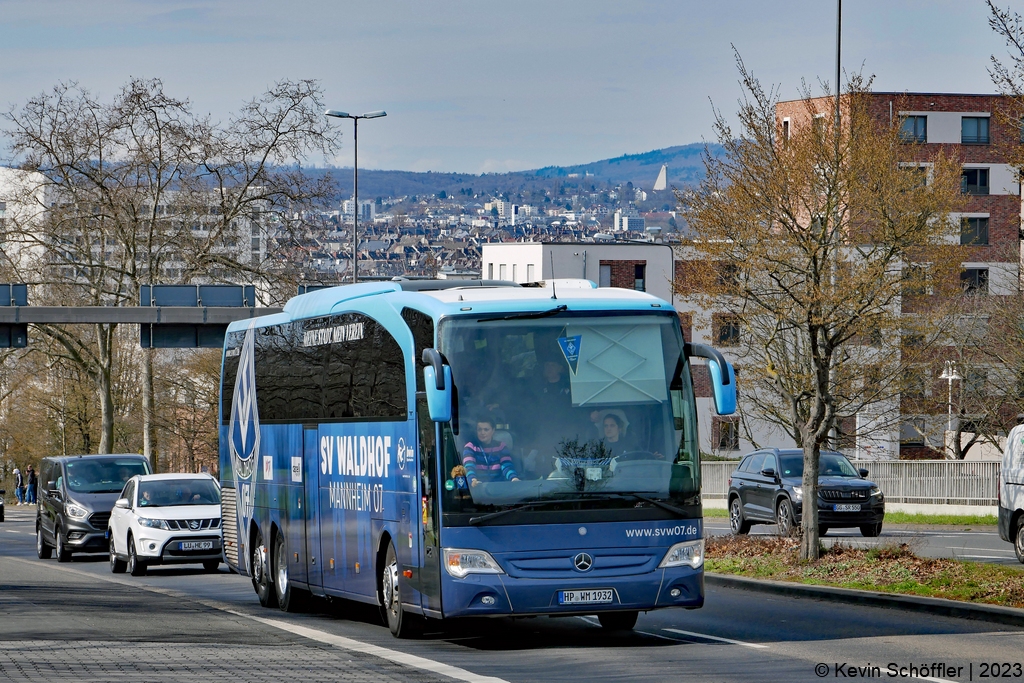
(486, 460)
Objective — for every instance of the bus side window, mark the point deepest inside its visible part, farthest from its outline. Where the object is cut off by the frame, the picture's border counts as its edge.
(422, 327)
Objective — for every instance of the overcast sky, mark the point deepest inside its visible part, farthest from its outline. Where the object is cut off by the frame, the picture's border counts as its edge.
(480, 85)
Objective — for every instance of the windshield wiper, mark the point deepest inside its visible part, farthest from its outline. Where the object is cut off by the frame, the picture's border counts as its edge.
(519, 506)
(527, 316)
(653, 501)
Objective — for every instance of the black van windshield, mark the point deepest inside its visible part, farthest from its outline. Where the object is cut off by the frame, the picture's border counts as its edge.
(102, 475)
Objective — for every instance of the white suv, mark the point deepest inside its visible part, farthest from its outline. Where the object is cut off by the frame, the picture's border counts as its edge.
(166, 519)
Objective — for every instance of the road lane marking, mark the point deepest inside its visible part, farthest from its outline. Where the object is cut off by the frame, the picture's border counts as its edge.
(694, 634)
(402, 658)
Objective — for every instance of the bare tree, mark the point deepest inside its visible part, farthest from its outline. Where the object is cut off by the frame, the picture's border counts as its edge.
(141, 190)
(808, 241)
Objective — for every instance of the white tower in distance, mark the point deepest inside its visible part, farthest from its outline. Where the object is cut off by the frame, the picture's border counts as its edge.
(662, 182)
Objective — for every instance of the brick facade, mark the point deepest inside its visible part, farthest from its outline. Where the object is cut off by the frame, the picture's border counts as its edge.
(1004, 210)
(623, 272)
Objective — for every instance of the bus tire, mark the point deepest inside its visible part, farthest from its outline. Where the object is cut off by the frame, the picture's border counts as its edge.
(618, 621)
(401, 623)
(289, 598)
(260, 573)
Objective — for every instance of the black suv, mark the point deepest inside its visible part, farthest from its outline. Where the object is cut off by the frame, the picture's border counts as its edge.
(766, 489)
(76, 495)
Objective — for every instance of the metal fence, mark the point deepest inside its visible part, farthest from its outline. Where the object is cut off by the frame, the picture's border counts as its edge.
(928, 482)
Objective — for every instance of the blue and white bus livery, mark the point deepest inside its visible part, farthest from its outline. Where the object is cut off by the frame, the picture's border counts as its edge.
(446, 449)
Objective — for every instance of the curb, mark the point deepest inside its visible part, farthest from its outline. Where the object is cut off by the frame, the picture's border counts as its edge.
(1011, 616)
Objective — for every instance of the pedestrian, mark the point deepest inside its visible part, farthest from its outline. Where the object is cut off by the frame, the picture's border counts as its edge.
(19, 486)
(30, 490)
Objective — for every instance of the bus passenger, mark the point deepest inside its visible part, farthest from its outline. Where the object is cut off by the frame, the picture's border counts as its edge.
(486, 460)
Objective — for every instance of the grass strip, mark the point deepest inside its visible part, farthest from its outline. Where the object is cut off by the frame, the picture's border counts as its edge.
(887, 569)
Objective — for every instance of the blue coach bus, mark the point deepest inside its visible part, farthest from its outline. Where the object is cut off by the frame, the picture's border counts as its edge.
(446, 449)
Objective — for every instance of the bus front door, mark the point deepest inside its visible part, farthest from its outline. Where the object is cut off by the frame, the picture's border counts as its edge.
(430, 561)
(311, 513)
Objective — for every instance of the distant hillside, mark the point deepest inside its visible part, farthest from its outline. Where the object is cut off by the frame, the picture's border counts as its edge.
(684, 169)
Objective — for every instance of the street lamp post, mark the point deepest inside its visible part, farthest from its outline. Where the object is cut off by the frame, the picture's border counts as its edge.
(334, 113)
(949, 373)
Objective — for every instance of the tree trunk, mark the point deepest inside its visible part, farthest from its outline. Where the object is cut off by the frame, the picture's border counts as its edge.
(149, 411)
(104, 385)
(809, 549)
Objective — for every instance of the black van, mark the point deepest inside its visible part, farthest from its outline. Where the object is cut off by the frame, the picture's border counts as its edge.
(76, 494)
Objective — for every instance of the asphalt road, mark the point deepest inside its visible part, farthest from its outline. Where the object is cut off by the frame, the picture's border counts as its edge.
(60, 620)
(978, 543)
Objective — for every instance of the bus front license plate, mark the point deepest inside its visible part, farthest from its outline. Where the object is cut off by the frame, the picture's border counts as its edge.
(594, 597)
(848, 507)
(196, 545)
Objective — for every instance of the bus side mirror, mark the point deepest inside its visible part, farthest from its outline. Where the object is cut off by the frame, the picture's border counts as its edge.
(437, 380)
(724, 391)
(723, 377)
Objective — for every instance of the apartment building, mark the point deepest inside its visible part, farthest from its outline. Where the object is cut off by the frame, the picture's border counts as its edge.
(972, 128)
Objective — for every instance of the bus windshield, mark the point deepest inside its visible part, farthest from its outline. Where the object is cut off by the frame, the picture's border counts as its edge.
(571, 412)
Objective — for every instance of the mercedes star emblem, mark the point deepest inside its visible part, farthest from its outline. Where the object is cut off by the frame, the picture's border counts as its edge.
(583, 562)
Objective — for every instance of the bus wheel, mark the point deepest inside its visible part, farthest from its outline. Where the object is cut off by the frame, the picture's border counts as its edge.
(618, 621)
(401, 623)
(260, 574)
(289, 598)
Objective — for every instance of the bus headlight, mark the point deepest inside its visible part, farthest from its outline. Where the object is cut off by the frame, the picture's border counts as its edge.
(686, 553)
(460, 562)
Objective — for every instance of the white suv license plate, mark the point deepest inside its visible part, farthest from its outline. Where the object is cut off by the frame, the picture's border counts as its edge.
(196, 545)
(591, 597)
(847, 507)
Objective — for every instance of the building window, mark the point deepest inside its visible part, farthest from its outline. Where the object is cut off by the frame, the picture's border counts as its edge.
(515, 269)
(726, 329)
(529, 272)
(726, 436)
(974, 280)
(914, 382)
(974, 181)
(640, 277)
(975, 382)
(974, 130)
(974, 231)
(912, 432)
(502, 272)
(605, 277)
(785, 130)
(490, 271)
(914, 129)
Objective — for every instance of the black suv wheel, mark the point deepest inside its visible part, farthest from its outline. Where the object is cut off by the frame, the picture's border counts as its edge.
(738, 525)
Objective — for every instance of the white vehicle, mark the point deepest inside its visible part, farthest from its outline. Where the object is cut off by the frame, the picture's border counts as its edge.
(166, 519)
(1011, 492)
